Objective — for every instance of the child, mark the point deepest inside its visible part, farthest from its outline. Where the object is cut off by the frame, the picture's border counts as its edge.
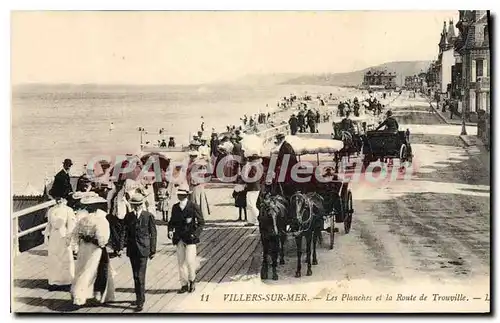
(240, 198)
(163, 201)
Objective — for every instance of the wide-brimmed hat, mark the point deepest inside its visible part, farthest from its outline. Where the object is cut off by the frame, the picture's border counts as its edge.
(137, 198)
(183, 189)
(200, 162)
(81, 195)
(87, 200)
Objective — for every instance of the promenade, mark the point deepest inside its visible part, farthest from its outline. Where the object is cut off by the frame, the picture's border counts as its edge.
(430, 233)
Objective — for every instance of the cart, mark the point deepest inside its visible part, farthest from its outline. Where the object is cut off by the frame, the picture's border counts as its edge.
(336, 195)
(382, 145)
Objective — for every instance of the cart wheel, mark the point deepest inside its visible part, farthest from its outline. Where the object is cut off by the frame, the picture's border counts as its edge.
(348, 211)
(331, 231)
(403, 153)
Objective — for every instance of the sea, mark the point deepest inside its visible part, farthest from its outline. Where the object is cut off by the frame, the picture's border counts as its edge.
(54, 122)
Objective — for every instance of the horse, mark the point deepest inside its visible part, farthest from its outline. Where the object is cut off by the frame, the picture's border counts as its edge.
(306, 221)
(272, 226)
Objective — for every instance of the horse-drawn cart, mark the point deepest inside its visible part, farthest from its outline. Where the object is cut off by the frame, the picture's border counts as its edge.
(387, 145)
(335, 195)
(353, 139)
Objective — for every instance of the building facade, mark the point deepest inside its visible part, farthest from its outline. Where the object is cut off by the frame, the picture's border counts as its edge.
(377, 78)
(474, 56)
(416, 82)
(473, 59)
(446, 59)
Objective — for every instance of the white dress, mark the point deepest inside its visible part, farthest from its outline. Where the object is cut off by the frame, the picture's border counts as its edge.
(151, 203)
(89, 255)
(199, 197)
(60, 224)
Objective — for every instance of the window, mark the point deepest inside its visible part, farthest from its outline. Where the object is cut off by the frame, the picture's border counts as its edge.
(473, 71)
(479, 68)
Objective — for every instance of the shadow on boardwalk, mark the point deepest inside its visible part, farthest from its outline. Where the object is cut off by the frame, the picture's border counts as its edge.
(223, 254)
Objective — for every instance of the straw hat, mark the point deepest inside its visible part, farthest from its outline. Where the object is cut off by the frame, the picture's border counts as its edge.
(81, 195)
(183, 189)
(92, 200)
(137, 198)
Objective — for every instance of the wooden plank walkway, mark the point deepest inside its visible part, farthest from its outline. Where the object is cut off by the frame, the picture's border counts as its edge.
(224, 252)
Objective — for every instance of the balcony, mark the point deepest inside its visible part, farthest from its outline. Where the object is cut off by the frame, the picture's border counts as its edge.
(483, 84)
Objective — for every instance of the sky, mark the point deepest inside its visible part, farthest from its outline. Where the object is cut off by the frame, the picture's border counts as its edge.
(204, 47)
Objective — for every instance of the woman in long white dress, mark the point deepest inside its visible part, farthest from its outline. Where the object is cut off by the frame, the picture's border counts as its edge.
(93, 272)
(197, 186)
(177, 178)
(61, 265)
(80, 212)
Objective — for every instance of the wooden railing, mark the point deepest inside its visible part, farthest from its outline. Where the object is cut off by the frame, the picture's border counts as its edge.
(268, 134)
(16, 233)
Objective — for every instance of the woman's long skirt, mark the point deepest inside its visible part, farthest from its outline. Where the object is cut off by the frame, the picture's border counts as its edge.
(93, 275)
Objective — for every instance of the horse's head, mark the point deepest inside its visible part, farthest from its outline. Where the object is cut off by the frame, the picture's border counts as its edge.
(301, 211)
(272, 215)
(346, 138)
(304, 207)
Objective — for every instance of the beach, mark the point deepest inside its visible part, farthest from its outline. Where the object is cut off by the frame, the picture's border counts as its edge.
(54, 122)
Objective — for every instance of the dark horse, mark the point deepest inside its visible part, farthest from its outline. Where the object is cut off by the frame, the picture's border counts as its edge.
(306, 221)
(272, 227)
(302, 216)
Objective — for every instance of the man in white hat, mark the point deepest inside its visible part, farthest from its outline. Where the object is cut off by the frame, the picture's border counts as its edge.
(141, 243)
(184, 228)
(204, 150)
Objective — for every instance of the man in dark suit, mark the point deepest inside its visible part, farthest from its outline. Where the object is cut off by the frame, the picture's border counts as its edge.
(184, 228)
(391, 125)
(141, 243)
(61, 188)
(285, 149)
(294, 124)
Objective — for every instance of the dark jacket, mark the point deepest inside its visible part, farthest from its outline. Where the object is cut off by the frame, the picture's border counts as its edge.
(240, 198)
(141, 234)
(254, 185)
(293, 122)
(347, 125)
(214, 144)
(237, 149)
(61, 186)
(390, 124)
(286, 149)
(189, 233)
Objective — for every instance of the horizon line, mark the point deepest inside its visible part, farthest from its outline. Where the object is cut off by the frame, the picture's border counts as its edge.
(234, 80)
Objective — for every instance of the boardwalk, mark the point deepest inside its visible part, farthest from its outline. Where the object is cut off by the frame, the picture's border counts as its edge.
(225, 255)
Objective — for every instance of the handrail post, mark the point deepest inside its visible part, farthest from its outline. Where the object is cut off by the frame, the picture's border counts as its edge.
(15, 238)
